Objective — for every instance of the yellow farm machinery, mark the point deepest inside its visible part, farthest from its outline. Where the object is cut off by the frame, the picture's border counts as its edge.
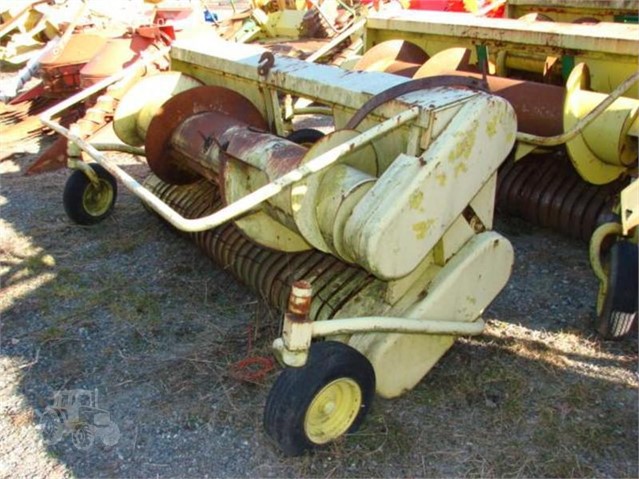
(574, 89)
(377, 237)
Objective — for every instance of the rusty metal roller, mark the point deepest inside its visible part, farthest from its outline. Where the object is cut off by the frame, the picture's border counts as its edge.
(269, 273)
(545, 190)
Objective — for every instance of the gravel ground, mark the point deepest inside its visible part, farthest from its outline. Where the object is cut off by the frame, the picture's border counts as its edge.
(131, 309)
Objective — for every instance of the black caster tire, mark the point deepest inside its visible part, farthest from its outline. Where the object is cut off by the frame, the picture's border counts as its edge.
(619, 312)
(86, 204)
(316, 404)
(305, 136)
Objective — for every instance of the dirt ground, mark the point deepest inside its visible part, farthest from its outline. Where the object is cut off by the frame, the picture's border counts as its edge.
(131, 309)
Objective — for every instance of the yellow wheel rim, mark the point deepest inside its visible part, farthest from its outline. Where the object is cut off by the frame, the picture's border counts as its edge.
(333, 411)
(96, 200)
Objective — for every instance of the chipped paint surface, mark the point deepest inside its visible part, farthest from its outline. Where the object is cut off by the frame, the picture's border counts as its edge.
(421, 228)
(460, 168)
(416, 200)
(491, 126)
(459, 161)
(465, 144)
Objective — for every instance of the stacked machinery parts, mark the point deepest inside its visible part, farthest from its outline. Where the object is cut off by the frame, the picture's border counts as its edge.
(86, 55)
(83, 57)
(391, 283)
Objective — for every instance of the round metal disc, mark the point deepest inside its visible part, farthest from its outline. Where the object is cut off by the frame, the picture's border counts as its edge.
(451, 59)
(179, 108)
(143, 100)
(384, 56)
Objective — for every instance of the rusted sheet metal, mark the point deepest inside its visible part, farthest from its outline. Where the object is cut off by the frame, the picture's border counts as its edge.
(183, 106)
(20, 123)
(539, 107)
(613, 39)
(455, 80)
(194, 147)
(272, 155)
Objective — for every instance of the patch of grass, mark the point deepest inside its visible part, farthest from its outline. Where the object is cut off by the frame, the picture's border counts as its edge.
(52, 333)
(120, 245)
(197, 416)
(568, 465)
(381, 432)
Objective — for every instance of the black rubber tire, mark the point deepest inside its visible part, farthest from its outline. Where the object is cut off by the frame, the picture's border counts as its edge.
(78, 185)
(305, 136)
(619, 312)
(295, 389)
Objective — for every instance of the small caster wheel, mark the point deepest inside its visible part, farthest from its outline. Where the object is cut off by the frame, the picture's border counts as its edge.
(316, 404)
(305, 136)
(85, 203)
(619, 312)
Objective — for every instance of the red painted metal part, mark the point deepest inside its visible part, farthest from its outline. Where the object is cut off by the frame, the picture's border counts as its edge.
(115, 54)
(31, 94)
(53, 158)
(60, 70)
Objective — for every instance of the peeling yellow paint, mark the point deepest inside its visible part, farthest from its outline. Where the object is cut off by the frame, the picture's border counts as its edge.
(441, 179)
(460, 168)
(491, 126)
(421, 228)
(465, 145)
(415, 200)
